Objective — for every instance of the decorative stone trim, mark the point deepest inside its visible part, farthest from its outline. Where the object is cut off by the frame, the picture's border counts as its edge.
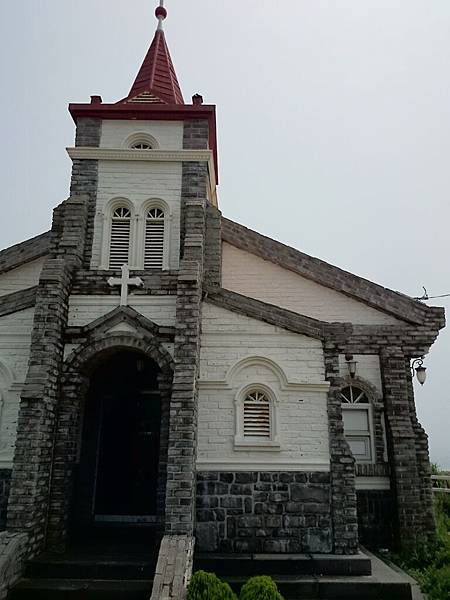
(95, 282)
(25, 252)
(373, 295)
(12, 303)
(174, 568)
(268, 313)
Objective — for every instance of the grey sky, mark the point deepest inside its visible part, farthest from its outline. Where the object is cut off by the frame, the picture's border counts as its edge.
(334, 126)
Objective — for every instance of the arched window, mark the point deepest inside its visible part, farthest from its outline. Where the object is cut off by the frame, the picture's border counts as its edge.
(119, 245)
(357, 417)
(154, 239)
(257, 416)
(142, 146)
(141, 141)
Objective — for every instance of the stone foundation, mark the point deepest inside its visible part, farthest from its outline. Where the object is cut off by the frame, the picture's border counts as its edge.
(264, 512)
(376, 518)
(5, 484)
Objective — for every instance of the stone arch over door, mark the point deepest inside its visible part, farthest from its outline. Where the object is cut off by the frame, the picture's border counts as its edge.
(78, 367)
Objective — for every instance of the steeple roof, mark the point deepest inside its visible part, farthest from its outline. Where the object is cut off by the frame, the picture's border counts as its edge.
(156, 82)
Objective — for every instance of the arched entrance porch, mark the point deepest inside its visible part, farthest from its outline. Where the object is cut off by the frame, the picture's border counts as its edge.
(110, 462)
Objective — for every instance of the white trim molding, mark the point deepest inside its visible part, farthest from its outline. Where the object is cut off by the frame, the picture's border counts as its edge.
(261, 465)
(258, 361)
(127, 154)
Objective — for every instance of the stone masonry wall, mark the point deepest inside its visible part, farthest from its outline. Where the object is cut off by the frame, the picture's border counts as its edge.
(30, 486)
(344, 515)
(412, 521)
(5, 483)
(264, 512)
(180, 494)
(85, 176)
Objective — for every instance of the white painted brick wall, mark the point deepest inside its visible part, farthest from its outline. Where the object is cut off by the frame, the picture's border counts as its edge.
(252, 276)
(85, 309)
(23, 277)
(227, 338)
(368, 368)
(15, 340)
(168, 134)
(139, 182)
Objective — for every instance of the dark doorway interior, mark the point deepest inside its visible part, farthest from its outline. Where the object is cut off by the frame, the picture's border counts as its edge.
(118, 473)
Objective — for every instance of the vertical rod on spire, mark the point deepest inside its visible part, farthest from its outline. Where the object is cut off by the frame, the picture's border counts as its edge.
(161, 14)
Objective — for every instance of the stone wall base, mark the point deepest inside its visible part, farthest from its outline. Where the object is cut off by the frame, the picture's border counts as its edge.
(376, 518)
(264, 512)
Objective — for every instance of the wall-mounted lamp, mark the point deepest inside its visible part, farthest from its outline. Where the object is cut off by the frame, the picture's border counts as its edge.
(351, 364)
(421, 371)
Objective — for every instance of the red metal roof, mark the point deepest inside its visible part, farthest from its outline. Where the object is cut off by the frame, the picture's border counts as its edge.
(156, 82)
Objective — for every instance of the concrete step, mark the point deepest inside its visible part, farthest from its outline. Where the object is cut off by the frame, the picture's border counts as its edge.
(81, 589)
(333, 588)
(52, 567)
(284, 564)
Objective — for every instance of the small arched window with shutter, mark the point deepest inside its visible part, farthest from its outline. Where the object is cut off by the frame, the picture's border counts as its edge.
(257, 416)
(154, 239)
(119, 245)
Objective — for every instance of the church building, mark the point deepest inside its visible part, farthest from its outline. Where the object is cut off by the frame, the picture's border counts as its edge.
(168, 371)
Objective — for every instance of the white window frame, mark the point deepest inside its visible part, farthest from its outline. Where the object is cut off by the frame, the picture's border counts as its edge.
(360, 435)
(137, 232)
(140, 240)
(141, 137)
(242, 443)
(112, 206)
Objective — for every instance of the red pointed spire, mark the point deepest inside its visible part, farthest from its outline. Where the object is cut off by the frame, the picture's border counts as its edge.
(156, 82)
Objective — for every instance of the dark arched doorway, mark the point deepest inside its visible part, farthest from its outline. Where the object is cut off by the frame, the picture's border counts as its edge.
(120, 475)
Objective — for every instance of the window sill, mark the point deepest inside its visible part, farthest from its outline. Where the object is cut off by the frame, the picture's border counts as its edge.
(242, 445)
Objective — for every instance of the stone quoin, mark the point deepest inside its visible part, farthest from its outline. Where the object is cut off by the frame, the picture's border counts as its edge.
(211, 371)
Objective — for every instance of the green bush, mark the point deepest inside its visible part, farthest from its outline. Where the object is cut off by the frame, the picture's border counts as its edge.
(260, 588)
(207, 586)
(429, 562)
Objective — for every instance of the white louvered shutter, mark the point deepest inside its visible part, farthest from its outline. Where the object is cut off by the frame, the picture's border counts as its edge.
(119, 248)
(154, 239)
(257, 417)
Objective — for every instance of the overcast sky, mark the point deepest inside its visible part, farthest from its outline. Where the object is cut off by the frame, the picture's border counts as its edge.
(333, 115)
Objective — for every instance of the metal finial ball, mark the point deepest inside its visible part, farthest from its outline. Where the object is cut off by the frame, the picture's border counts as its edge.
(161, 12)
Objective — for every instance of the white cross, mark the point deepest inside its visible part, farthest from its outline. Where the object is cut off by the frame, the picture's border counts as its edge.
(124, 282)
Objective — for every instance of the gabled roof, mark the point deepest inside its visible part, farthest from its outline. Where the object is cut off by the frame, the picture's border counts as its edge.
(27, 251)
(394, 303)
(156, 82)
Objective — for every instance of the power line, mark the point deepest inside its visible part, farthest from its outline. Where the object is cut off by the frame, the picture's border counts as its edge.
(427, 297)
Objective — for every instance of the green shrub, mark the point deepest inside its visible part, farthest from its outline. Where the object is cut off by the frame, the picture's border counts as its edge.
(260, 588)
(429, 562)
(207, 586)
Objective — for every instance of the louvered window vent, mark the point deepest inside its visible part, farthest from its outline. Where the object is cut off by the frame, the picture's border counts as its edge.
(119, 249)
(257, 418)
(154, 239)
